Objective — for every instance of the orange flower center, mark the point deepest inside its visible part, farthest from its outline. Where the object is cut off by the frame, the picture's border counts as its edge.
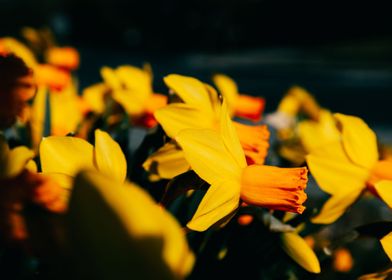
(274, 188)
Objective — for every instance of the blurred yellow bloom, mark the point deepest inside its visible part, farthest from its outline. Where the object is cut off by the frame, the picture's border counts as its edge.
(345, 168)
(218, 158)
(63, 57)
(120, 230)
(11, 45)
(62, 157)
(240, 105)
(132, 88)
(201, 110)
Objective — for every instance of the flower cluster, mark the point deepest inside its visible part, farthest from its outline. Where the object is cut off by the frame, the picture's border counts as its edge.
(196, 197)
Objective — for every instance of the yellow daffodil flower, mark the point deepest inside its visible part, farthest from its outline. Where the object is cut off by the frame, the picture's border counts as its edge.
(62, 157)
(132, 88)
(201, 110)
(218, 158)
(344, 168)
(120, 230)
(240, 105)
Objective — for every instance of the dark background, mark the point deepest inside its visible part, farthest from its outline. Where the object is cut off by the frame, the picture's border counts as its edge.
(340, 50)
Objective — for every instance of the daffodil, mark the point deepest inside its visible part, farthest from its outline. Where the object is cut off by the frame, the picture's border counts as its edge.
(20, 183)
(62, 157)
(218, 158)
(120, 230)
(240, 105)
(201, 110)
(132, 88)
(345, 168)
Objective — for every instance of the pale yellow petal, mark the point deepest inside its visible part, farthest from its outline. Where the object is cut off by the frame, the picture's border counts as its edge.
(386, 243)
(296, 247)
(135, 80)
(335, 207)
(109, 157)
(168, 162)
(316, 134)
(228, 88)
(176, 117)
(219, 201)
(208, 156)
(126, 98)
(333, 172)
(190, 90)
(67, 155)
(359, 140)
(384, 190)
(230, 137)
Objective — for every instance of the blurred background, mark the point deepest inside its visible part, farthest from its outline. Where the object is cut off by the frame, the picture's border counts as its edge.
(339, 50)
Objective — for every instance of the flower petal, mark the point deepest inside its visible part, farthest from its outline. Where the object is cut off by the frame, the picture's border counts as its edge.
(384, 190)
(109, 157)
(168, 162)
(336, 206)
(230, 137)
(296, 247)
(110, 78)
(14, 161)
(190, 90)
(67, 155)
(176, 117)
(228, 88)
(208, 156)
(386, 243)
(359, 140)
(333, 172)
(219, 201)
(151, 245)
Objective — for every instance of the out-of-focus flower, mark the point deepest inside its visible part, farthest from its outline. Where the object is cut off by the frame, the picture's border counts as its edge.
(241, 105)
(342, 260)
(11, 45)
(63, 57)
(94, 97)
(20, 184)
(119, 230)
(17, 88)
(202, 110)
(132, 88)
(344, 168)
(218, 158)
(62, 157)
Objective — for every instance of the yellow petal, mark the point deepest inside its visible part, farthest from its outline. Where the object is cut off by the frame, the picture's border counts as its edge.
(386, 243)
(127, 99)
(333, 172)
(135, 80)
(359, 140)
(65, 181)
(176, 117)
(335, 207)
(296, 247)
(147, 246)
(67, 155)
(384, 190)
(316, 134)
(110, 78)
(228, 88)
(230, 137)
(168, 162)
(219, 201)
(16, 161)
(109, 157)
(190, 90)
(94, 97)
(208, 156)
